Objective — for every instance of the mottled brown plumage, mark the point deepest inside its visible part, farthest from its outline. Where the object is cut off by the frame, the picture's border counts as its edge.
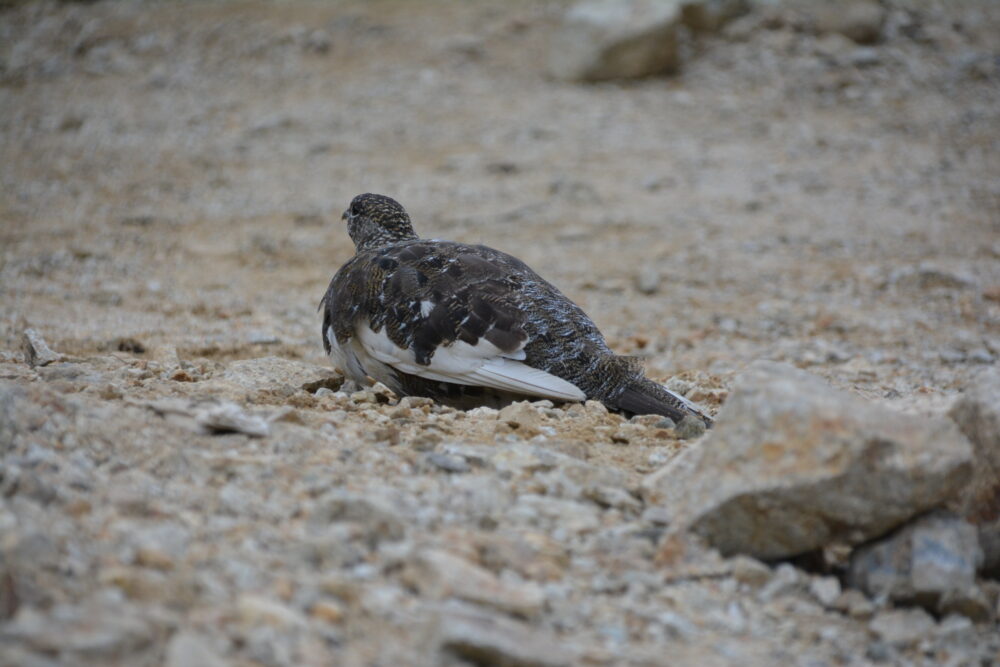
(467, 324)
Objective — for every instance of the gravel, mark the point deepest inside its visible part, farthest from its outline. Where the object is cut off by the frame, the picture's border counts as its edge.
(173, 185)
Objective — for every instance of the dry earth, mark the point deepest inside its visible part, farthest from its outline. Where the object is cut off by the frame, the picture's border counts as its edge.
(171, 184)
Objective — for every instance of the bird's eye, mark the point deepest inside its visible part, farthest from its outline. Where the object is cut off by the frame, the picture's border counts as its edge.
(354, 209)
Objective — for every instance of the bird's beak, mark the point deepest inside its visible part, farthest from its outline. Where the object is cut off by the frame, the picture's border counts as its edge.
(344, 216)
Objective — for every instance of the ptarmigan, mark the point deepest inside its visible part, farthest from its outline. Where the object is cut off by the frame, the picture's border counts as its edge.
(469, 325)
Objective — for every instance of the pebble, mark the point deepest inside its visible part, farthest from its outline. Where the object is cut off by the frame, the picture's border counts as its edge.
(690, 428)
(328, 611)
(750, 571)
(474, 635)
(901, 627)
(443, 575)
(647, 281)
(447, 462)
(190, 649)
(36, 351)
(255, 609)
(826, 590)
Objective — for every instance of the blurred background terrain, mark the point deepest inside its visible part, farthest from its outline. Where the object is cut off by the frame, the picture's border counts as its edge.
(171, 182)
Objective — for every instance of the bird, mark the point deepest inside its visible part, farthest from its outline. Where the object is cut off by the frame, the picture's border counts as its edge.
(468, 326)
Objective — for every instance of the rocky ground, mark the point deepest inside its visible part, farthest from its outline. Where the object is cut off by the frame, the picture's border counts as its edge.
(185, 481)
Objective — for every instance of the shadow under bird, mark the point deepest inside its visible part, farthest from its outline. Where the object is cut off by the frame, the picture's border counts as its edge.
(467, 325)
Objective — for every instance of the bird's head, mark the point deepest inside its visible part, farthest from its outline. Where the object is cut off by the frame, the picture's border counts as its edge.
(376, 220)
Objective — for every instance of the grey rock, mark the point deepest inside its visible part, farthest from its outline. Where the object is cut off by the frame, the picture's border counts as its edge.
(647, 281)
(610, 39)
(794, 464)
(861, 20)
(785, 580)
(930, 277)
(523, 417)
(971, 602)
(97, 631)
(901, 627)
(443, 575)
(483, 638)
(256, 610)
(934, 556)
(447, 462)
(750, 571)
(977, 413)
(711, 15)
(826, 590)
(228, 417)
(864, 56)
(372, 512)
(562, 515)
(11, 404)
(690, 428)
(189, 649)
(36, 351)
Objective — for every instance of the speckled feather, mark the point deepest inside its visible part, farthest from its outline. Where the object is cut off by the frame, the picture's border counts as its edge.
(427, 295)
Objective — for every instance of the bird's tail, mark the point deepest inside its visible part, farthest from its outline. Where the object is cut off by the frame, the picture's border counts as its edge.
(642, 396)
(645, 397)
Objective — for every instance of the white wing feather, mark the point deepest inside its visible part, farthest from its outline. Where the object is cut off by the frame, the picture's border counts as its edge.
(482, 364)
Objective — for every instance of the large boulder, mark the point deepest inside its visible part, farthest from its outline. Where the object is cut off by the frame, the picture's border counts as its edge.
(611, 39)
(794, 464)
(977, 413)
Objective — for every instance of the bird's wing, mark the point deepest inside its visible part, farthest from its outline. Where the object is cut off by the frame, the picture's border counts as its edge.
(446, 312)
(482, 364)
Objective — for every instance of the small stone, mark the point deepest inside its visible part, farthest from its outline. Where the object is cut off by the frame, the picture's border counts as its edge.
(861, 20)
(750, 571)
(327, 610)
(522, 417)
(609, 39)
(611, 496)
(977, 413)
(379, 519)
(259, 610)
(190, 649)
(930, 277)
(96, 632)
(902, 627)
(443, 575)
(826, 590)
(647, 281)
(935, 556)
(970, 602)
(154, 558)
(447, 462)
(228, 417)
(317, 41)
(711, 15)
(626, 433)
(690, 428)
(855, 604)
(490, 640)
(785, 580)
(36, 351)
(666, 423)
(262, 338)
(864, 57)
